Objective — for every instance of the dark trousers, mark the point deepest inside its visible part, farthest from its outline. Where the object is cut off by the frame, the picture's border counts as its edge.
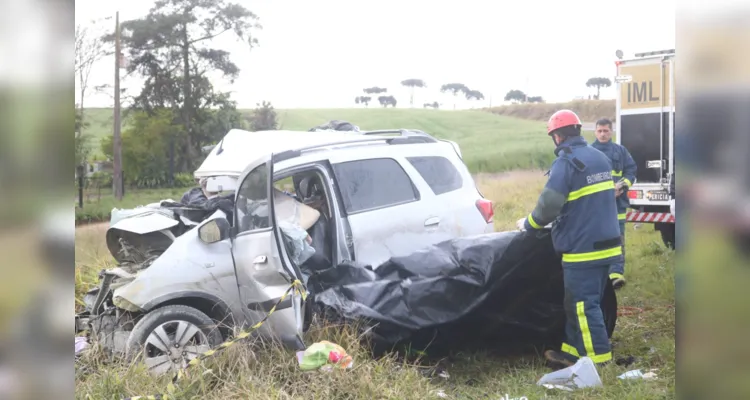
(585, 329)
(617, 270)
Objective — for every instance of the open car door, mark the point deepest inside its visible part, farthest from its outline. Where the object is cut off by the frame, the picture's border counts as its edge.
(264, 272)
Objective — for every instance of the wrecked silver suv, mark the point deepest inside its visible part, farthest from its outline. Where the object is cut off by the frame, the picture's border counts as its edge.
(185, 280)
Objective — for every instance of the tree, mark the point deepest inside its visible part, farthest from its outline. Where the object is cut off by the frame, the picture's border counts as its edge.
(413, 83)
(455, 89)
(147, 136)
(375, 90)
(535, 99)
(171, 48)
(363, 100)
(598, 83)
(386, 101)
(264, 118)
(515, 96)
(89, 49)
(434, 105)
(474, 95)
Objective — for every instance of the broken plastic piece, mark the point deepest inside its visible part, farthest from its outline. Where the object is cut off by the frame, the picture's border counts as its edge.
(81, 344)
(580, 375)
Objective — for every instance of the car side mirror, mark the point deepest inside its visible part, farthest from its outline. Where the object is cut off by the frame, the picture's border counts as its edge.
(214, 230)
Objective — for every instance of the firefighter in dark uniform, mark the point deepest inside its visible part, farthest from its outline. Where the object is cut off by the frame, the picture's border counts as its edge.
(623, 174)
(580, 198)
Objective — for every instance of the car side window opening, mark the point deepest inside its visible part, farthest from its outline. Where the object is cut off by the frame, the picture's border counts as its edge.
(252, 201)
(438, 172)
(303, 238)
(374, 183)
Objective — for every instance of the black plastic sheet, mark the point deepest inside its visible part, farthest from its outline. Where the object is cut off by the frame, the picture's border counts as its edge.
(495, 287)
(195, 206)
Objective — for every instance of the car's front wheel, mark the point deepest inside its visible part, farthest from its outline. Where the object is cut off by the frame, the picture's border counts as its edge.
(171, 336)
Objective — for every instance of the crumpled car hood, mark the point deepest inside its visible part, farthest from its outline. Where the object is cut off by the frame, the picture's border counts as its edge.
(136, 234)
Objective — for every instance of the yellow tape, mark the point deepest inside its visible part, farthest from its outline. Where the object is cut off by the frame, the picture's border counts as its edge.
(296, 286)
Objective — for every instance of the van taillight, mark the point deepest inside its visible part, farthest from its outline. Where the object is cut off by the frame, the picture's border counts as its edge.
(485, 208)
(635, 194)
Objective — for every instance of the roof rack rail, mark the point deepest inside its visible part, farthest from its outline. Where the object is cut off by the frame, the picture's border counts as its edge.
(408, 139)
(402, 132)
(655, 53)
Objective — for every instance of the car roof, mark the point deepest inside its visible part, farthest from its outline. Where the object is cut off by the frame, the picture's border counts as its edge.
(239, 148)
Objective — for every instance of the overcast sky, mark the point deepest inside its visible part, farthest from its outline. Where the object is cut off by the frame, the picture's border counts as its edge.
(321, 53)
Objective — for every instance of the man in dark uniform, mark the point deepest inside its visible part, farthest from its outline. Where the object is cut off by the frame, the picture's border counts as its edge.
(623, 174)
(580, 197)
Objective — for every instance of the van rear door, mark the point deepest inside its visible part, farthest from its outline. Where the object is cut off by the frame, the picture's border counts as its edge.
(646, 116)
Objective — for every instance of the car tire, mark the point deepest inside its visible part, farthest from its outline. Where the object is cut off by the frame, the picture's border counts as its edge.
(158, 331)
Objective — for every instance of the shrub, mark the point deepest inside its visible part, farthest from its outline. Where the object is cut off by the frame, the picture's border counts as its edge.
(184, 179)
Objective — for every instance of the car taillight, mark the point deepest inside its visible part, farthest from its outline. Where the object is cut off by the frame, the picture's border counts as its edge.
(635, 194)
(485, 208)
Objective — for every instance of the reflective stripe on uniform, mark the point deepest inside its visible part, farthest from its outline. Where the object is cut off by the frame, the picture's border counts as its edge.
(566, 348)
(591, 189)
(615, 173)
(615, 275)
(627, 182)
(622, 216)
(533, 223)
(588, 343)
(593, 255)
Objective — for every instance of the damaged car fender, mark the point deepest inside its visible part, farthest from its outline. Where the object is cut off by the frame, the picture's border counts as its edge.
(188, 267)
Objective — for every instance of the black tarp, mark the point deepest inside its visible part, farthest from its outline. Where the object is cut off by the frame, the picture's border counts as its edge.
(495, 287)
(195, 206)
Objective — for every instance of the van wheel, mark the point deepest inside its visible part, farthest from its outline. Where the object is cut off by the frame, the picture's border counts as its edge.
(169, 337)
(667, 234)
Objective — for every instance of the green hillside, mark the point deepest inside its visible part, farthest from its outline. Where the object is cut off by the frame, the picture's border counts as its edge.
(489, 142)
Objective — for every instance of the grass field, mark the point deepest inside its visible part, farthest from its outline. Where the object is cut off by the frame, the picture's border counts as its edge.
(490, 142)
(255, 372)
(97, 208)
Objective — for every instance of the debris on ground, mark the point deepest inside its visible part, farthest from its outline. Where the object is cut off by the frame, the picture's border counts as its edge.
(324, 355)
(580, 375)
(638, 374)
(625, 361)
(81, 344)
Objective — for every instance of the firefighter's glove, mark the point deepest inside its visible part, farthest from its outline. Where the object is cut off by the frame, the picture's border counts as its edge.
(521, 224)
(620, 187)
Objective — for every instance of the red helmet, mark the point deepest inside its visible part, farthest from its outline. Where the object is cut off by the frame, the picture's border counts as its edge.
(562, 119)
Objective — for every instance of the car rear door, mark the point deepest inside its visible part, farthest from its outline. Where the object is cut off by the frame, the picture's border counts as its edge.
(263, 270)
(449, 195)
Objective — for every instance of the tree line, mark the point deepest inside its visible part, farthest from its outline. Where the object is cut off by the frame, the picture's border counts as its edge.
(413, 85)
(518, 96)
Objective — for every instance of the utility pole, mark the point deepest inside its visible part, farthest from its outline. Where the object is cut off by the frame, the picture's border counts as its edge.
(116, 139)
